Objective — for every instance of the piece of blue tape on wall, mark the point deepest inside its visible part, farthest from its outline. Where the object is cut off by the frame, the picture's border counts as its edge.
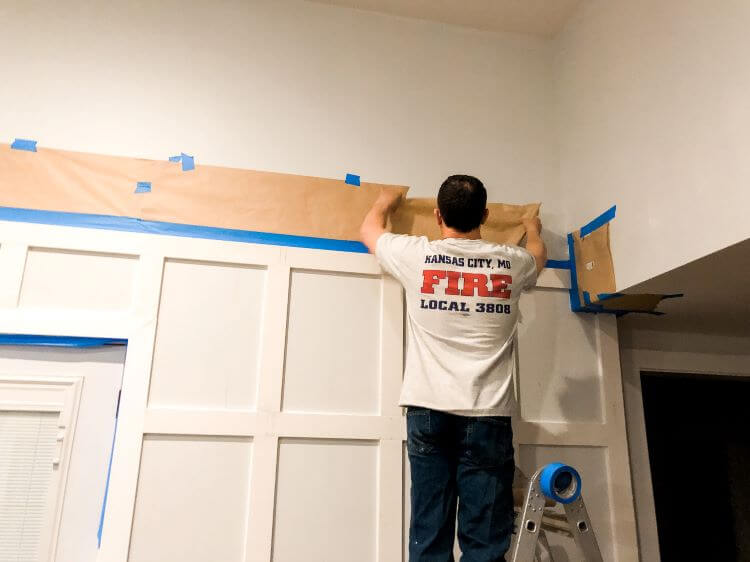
(143, 187)
(24, 144)
(601, 220)
(352, 179)
(558, 264)
(188, 162)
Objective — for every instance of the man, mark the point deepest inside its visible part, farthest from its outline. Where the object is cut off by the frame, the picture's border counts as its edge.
(462, 298)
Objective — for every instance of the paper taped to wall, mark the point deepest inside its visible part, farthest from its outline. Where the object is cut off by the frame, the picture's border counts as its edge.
(74, 182)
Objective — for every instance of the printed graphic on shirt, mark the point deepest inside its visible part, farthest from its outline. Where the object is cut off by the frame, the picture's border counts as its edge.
(448, 282)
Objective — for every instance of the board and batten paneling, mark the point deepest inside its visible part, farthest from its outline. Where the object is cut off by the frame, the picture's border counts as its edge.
(281, 368)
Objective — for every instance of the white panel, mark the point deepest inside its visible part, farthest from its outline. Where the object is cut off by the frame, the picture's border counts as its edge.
(591, 463)
(192, 499)
(72, 279)
(27, 447)
(326, 506)
(207, 337)
(333, 343)
(558, 358)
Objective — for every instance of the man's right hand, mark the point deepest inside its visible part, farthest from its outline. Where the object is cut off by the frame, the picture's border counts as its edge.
(533, 224)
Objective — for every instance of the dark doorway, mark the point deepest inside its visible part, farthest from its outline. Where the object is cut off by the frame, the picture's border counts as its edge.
(698, 430)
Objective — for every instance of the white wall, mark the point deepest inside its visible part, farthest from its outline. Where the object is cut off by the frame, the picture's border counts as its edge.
(653, 112)
(285, 86)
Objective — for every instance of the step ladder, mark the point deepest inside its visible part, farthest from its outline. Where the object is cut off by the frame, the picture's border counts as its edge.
(552, 484)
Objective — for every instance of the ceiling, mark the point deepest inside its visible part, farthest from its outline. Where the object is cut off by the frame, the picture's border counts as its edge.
(535, 17)
(717, 295)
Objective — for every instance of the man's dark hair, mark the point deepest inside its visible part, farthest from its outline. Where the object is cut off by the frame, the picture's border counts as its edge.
(462, 201)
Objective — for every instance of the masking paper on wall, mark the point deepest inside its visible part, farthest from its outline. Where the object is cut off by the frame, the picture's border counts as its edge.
(503, 226)
(59, 180)
(595, 274)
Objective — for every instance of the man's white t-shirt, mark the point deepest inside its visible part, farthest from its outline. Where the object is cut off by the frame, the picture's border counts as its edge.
(462, 308)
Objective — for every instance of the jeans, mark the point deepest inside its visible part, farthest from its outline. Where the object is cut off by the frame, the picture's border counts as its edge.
(469, 459)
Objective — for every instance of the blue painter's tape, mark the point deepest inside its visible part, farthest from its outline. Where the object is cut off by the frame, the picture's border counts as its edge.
(188, 162)
(587, 302)
(129, 224)
(601, 220)
(143, 187)
(106, 484)
(352, 179)
(558, 264)
(175, 158)
(57, 341)
(575, 299)
(607, 296)
(24, 144)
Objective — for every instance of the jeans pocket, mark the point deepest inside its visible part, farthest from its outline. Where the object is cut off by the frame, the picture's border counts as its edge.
(420, 439)
(489, 444)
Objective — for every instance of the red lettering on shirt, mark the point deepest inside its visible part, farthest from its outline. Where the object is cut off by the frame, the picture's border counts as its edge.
(452, 288)
(473, 283)
(430, 278)
(500, 286)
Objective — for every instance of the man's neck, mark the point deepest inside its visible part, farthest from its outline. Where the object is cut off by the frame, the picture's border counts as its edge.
(448, 232)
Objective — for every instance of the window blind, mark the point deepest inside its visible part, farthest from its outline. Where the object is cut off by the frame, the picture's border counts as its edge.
(27, 446)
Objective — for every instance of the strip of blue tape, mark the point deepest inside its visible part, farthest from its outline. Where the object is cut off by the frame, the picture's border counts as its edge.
(188, 162)
(575, 300)
(57, 341)
(558, 264)
(143, 187)
(607, 296)
(128, 224)
(106, 485)
(601, 220)
(24, 144)
(352, 179)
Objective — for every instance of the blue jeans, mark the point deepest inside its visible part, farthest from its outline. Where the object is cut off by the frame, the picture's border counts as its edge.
(466, 459)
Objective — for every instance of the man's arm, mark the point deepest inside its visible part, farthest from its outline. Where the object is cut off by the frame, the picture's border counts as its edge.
(376, 219)
(534, 243)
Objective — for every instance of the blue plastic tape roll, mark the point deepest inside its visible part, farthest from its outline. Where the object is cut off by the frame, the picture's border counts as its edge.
(555, 478)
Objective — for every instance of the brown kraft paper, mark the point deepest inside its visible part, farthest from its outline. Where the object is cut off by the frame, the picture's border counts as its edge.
(58, 180)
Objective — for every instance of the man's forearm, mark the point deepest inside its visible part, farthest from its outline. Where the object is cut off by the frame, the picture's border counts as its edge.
(536, 247)
(376, 219)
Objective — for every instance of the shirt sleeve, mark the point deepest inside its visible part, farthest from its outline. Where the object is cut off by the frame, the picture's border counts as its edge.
(398, 254)
(528, 273)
